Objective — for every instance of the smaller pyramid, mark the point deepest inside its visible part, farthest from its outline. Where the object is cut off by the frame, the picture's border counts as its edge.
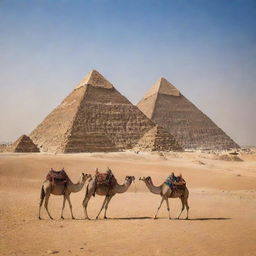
(157, 139)
(24, 144)
(166, 106)
(95, 79)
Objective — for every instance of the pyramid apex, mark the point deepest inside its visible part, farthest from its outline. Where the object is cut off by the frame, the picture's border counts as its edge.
(163, 86)
(96, 79)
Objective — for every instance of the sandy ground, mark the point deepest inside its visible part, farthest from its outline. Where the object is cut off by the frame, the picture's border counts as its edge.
(222, 207)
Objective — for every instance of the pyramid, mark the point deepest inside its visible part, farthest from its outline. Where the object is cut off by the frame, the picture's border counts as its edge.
(94, 117)
(157, 139)
(166, 106)
(24, 144)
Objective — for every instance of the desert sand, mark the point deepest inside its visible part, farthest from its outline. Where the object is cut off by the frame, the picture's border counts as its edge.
(221, 220)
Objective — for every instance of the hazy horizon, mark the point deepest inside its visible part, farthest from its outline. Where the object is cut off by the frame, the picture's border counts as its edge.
(207, 49)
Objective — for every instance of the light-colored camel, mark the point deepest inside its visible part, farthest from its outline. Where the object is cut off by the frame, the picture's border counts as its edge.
(166, 193)
(49, 188)
(106, 191)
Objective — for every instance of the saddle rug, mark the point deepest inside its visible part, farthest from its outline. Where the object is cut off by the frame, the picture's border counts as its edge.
(107, 179)
(176, 185)
(57, 177)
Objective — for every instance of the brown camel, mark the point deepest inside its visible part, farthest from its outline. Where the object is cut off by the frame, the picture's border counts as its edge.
(49, 188)
(166, 193)
(104, 190)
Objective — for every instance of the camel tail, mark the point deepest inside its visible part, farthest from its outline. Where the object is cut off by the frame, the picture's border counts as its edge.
(42, 194)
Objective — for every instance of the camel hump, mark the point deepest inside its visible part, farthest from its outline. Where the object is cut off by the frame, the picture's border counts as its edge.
(57, 177)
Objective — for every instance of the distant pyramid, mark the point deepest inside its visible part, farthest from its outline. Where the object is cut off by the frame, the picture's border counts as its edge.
(24, 144)
(157, 139)
(166, 106)
(93, 117)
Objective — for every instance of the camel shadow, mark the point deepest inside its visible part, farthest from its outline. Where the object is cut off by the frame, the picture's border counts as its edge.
(131, 218)
(204, 219)
(144, 218)
(148, 218)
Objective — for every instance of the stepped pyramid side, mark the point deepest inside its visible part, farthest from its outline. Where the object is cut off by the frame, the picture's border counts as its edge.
(191, 128)
(106, 113)
(52, 134)
(24, 144)
(157, 139)
(147, 105)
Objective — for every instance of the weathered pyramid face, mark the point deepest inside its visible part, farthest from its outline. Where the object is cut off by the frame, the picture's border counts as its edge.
(94, 117)
(24, 144)
(157, 139)
(166, 106)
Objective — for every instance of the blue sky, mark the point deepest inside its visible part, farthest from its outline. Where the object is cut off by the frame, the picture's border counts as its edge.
(207, 49)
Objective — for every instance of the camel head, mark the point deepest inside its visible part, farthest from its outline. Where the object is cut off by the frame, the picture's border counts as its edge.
(145, 179)
(85, 176)
(129, 179)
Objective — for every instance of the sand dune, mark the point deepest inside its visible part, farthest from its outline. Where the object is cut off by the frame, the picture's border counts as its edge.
(222, 207)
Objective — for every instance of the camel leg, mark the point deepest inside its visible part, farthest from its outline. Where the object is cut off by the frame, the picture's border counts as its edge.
(47, 196)
(63, 206)
(159, 207)
(85, 204)
(41, 203)
(183, 206)
(70, 206)
(106, 206)
(105, 200)
(187, 207)
(168, 207)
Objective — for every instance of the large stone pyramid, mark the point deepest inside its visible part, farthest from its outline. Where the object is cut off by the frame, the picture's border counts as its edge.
(24, 144)
(166, 106)
(94, 117)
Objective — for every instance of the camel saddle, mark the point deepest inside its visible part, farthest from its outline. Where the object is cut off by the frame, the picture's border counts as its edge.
(176, 185)
(180, 186)
(57, 177)
(107, 179)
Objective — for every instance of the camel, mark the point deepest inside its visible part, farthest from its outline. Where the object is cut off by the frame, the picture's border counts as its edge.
(104, 190)
(49, 188)
(166, 193)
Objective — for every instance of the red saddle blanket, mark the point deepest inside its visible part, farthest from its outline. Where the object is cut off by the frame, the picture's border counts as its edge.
(107, 179)
(57, 177)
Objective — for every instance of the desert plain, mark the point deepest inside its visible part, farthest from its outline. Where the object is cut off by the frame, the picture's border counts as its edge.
(222, 200)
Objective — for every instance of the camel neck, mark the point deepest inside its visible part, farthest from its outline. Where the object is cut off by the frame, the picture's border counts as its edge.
(153, 189)
(122, 188)
(76, 187)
